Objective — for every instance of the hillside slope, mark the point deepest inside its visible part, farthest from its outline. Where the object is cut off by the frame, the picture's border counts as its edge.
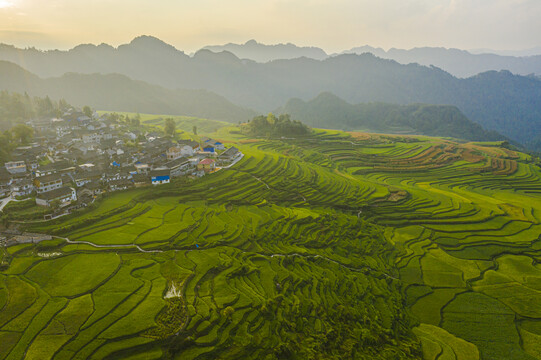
(326, 246)
(500, 101)
(329, 111)
(120, 93)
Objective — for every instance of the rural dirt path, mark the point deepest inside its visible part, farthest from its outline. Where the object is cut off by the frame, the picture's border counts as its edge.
(271, 255)
(4, 202)
(109, 246)
(261, 181)
(241, 156)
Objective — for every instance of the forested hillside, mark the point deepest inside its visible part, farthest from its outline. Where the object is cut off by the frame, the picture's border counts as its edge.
(119, 93)
(500, 101)
(329, 111)
(15, 110)
(272, 126)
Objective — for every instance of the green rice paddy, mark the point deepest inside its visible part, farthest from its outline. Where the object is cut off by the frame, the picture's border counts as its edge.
(335, 246)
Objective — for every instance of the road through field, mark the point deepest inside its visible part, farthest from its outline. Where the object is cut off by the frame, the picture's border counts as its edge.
(109, 246)
(4, 202)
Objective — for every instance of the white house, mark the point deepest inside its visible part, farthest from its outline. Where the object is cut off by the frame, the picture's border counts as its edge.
(65, 195)
(179, 166)
(183, 149)
(16, 167)
(22, 188)
(216, 144)
(131, 135)
(160, 176)
(92, 137)
(48, 183)
(82, 180)
(229, 155)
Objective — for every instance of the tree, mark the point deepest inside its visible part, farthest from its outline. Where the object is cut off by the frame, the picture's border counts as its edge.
(271, 119)
(5, 139)
(135, 121)
(87, 111)
(63, 104)
(228, 312)
(22, 133)
(114, 117)
(57, 113)
(270, 125)
(44, 106)
(170, 126)
(195, 130)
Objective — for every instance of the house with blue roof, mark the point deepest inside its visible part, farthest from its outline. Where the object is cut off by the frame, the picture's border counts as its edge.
(160, 176)
(212, 143)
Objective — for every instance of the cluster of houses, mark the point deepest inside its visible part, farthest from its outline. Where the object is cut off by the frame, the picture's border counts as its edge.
(78, 158)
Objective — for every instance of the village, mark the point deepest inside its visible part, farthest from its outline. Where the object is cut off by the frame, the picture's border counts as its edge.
(74, 159)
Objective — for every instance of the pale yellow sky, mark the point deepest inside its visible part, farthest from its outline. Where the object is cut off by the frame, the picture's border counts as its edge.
(334, 25)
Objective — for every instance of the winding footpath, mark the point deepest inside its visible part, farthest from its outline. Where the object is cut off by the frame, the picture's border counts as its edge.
(109, 246)
(5, 201)
(270, 255)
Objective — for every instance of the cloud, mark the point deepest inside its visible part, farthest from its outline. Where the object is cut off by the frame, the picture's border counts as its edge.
(31, 39)
(6, 4)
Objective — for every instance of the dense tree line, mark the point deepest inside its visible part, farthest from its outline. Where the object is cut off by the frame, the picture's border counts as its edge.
(19, 134)
(117, 118)
(271, 125)
(15, 110)
(329, 111)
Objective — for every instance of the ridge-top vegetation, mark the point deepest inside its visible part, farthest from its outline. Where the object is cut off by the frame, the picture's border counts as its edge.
(272, 126)
(329, 111)
(331, 245)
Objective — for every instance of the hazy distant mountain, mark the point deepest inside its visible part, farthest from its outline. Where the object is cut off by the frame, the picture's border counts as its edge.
(500, 101)
(119, 93)
(263, 53)
(460, 63)
(329, 111)
(527, 52)
(136, 57)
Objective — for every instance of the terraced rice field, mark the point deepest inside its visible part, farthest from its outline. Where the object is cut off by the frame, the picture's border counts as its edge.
(335, 246)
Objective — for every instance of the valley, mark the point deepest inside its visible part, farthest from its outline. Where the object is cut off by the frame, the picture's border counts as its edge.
(330, 245)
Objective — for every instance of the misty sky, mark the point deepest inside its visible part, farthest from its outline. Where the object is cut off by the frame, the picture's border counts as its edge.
(334, 25)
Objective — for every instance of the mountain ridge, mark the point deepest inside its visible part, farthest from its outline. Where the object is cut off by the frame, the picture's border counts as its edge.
(259, 52)
(117, 92)
(329, 111)
(460, 63)
(499, 101)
